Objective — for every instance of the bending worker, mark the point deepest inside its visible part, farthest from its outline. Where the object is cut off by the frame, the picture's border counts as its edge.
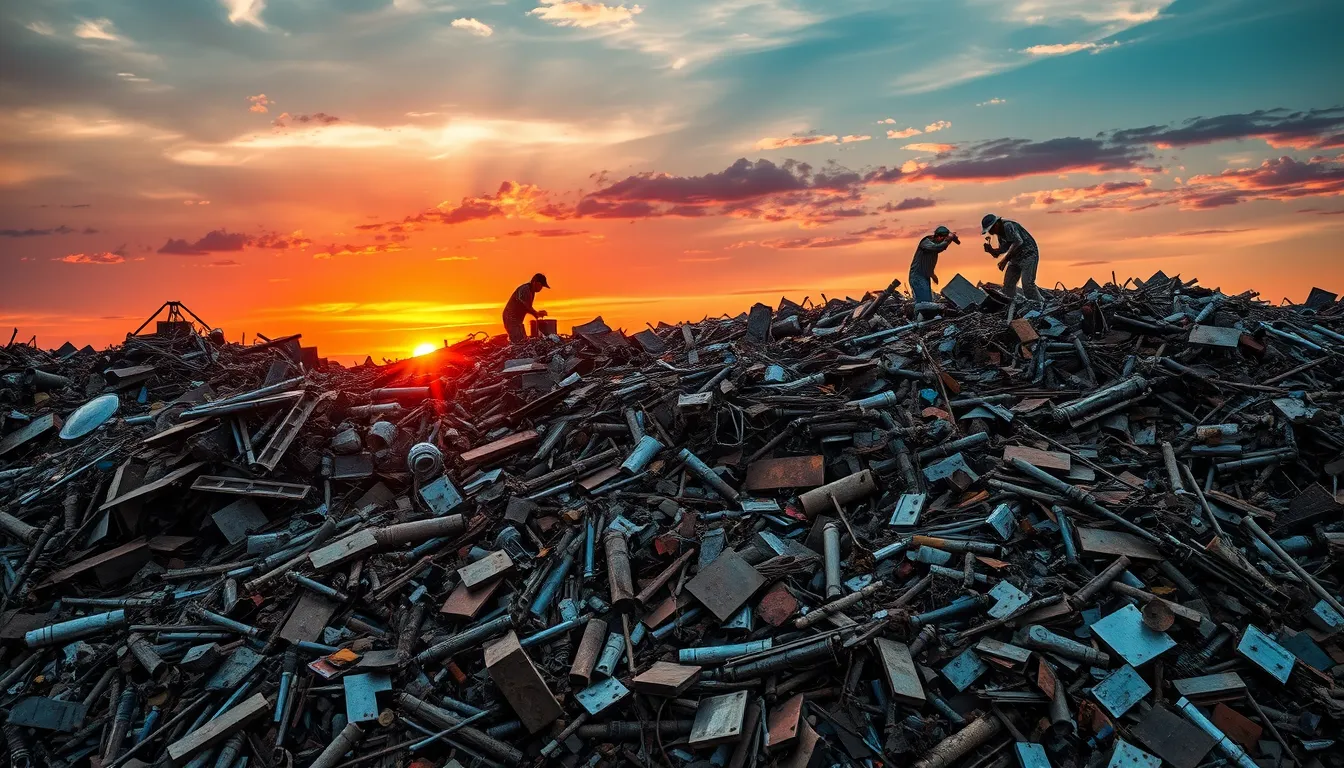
(1020, 255)
(923, 267)
(520, 306)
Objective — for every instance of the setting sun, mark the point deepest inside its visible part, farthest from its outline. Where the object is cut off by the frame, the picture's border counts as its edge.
(423, 349)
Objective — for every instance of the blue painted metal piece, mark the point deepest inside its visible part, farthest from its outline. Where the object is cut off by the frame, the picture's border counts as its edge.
(1325, 618)
(238, 666)
(640, 457)
(1121, 690)
(590, 550)
(361, 695)
(1031, 755)
(1127, 755)
(1003, 521)
(952, 465)
(599, 696)
(554, 631)
(1008, 598)
(686, 618)
(1225, 745)
(551, 587)
(906, 514)
(952, 610)
(929, 396)
(964, 670)
(441, 496)
(1307, 651)
(742, 620)
(1126, 634)
(1265, 653)
(74, 629)
(931, 556)
(717, 654)
(610, 657)
(711, 546)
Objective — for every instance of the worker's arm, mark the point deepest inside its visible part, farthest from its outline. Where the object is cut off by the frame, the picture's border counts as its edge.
(526, 295)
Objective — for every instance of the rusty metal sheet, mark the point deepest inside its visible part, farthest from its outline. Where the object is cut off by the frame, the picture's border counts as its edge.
(238, 519)
(782, 725)
(725, 585)
(29, 432)
(1214, 336)
(488, 568)
(1050, 461)
(1237, 726)
(523, 687)
(145, 491)
(1097, 541)
(666, 679)
(1206, 688)
(1173, 738)
(309, 618)
(466, 603)
(790, 472)
(501, 447)
(718, 720)
(777, 605)
(108, 567)
(899, 668)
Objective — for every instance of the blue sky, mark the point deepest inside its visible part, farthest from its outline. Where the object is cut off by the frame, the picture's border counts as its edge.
(264, 159)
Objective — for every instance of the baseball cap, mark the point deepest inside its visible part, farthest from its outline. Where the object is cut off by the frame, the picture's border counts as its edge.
(540, 278)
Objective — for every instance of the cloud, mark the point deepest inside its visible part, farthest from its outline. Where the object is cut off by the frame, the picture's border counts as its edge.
(565, 13)
(30, 232)
(850, 139)
(1064, 49)
(41, 28)
(457, 258)
(97, 29)
(1310, 129)
(512, 200)
(358, 250)
(473, 26)
(795, 141)
(224, 263)
(1003, 159)
(316, 119)
(703, 259)
(245, 12)
(1282, 178)
(904, 133)
(992, 102)
(937, 149)
(913, 203)
(546, 232)
(105, 257)
(223, 241)
(259, 103)
(937, 125)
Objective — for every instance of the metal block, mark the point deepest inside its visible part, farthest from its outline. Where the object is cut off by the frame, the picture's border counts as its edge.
(523, 687)
(29, 432)
(725, 585)
(1003, 521)
(356, 466)
(47, 714)
(1207, 688)
(1325, 619)
(1306, 650)
(964, 670)
(988, 646)
(108, 567)
(1265, 653)
(783, 723)
(467, 603)
(1127, 755)
(234, 669)
(1031, 755)
(666, 679)
(1121, 690)
(1126, 634)
(1008, 598)
(902, 677)
(952, 471)
(718, 720)
(1097, 541)
(697, 401)
(791, 472)
(145, 491)
(345, 550)
(1173, 738)
(239, 519)
(1237, 726)
(1214, 336)
(777, 605)
(361, 695)
(599, 696)
(441, 496)
(219, 729)
(908, 508)
(489, 568)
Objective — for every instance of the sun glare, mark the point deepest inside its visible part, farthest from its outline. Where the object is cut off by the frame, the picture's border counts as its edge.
(423, 349)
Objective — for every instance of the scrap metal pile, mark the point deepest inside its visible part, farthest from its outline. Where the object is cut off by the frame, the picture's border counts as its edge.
(1104, 533)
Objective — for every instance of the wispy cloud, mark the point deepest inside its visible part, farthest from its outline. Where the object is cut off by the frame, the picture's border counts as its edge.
(473, 26)
(850, 139)
(259, 103)
(937, 125)
(245, 12)
(992, 102)
(98, 29)
(566, 13)
(1064, 49)
(795, 141)
(904, 133)
(938, 149)
(105, 257)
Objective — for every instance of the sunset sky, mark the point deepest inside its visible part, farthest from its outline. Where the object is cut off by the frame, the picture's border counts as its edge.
(379, 174)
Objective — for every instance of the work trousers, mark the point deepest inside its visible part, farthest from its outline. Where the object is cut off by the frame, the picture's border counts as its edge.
(514, 327)
(1024, 269)
(920, 286)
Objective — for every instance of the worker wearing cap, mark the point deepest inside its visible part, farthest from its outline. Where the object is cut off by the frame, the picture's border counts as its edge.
(520, 306)
(1019, 252)
(923, 267)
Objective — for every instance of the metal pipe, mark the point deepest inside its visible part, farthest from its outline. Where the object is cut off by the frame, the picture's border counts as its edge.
(74, 629)
(830, 534)
(956, 608)
(445, 719)
(717, 654)
(1080, 498)
(701, 470)
(1042, 639)
(611, 654)
(1226, 745)
(1249, 524)
(554, 631)
(820, 612)
(642, 455)
(622, 584)
(956, 746)
(465, 639)
(1123, 390)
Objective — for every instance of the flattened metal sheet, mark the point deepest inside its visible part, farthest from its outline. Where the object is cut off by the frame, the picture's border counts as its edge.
(718, 719)
(1265, 653)
(1031, 755)
(1121, 690)
(1008, 599)
(361, 695)
(790, 472)
(725, 585)
(902, 676)
(964, 670)
(599, 696)
(908, 508)
(1127, 755)
(1125, 632)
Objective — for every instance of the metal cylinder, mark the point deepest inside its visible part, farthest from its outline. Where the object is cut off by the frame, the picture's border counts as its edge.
(830, 538)
(1123, 390)
(143, 651)
(17, 529)
(882, 400)
(551, 586)
(585, 655)
(317, 587)
(717, 654)
(224, 621)
(1101, 581)
(420, 530)
(958, 607)
(444, 719)
(1225, 745)
(465, 639)
(553, 631)
(707, 476)
(618, 571)
(792, 658)
(956, 746)
(816, 615)
(639, 458)
(1061, 719)
(1041, 639)
(956, 446)
(121, 724)
(382, 434)
(846, 490)
(425, 460)
(959, 545)
(41, 381)
(338, 747)
(611, 655)
(927, 635)
(74, 629)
